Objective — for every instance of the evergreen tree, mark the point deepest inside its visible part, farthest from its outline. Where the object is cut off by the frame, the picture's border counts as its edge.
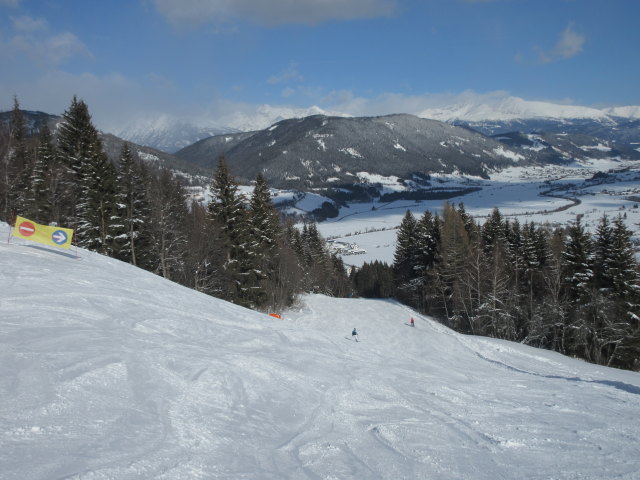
(577, 266)
(133, 216)
(96, 208)
(622, 335)
(427, 245)
(78, 148)
(373, 280)
(493, 231)
(405, 258)
(203, 258)
(18, 169)
(262, 246)
(227, 210)
(294, 240)
(578, 263)
(168, 227)
(622, 264)
(603, 254)
(315, 261)
(467, 220)
(43, 198)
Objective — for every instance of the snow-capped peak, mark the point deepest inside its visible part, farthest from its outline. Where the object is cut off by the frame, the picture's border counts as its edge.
(631, 112)
(514, 108)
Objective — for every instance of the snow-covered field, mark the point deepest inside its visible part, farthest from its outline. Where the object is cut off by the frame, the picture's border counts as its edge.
(109, 372)
(550, 194)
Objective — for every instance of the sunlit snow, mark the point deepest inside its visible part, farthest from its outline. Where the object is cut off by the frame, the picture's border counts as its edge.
(351, 151)
(110, 372)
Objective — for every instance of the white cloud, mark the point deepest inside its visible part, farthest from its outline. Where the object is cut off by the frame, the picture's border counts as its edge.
(28, 24)
(32, 41)
(568, 45)
(53, 50)
(288, 75)
(273, 12)
(113, 99)
(387, 103)
(63, 46)
(287, 92)
(9, 3)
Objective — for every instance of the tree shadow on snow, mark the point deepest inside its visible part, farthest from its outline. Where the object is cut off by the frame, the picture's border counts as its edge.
(57, 252)
(625, 387)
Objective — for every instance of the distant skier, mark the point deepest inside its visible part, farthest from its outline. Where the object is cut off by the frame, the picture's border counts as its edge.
(412, 322)
(354, 334)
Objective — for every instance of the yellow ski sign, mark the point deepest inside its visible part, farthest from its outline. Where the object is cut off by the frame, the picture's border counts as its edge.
(30, 230)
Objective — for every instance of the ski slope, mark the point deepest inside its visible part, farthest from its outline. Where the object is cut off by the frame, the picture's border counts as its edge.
(110, 372)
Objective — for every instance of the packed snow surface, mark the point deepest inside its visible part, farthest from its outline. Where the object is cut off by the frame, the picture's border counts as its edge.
(109, 372)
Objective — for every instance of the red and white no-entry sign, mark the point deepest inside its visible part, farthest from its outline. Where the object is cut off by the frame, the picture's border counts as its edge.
(26, 229)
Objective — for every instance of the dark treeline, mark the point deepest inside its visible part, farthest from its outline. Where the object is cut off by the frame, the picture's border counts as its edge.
(562, 289)
(237, 248)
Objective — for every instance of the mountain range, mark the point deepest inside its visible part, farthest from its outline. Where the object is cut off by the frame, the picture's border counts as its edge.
(170, 134)
(310, 149)
(335, 152)
(321, 151)
(489, 115)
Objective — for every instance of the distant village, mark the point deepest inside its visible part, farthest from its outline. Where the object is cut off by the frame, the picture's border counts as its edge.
(344, 248)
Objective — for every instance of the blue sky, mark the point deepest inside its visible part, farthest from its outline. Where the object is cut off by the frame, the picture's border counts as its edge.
(362, 57)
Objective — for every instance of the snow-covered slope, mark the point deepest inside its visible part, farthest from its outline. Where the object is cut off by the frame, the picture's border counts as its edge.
(108, 372)
(631, 112)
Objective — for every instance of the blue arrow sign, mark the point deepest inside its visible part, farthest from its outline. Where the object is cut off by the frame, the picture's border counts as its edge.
(59, 237)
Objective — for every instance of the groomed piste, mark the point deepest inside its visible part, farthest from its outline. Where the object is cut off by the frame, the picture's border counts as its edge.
(110, 372)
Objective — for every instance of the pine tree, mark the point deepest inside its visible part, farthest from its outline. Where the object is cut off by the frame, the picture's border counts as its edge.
(577, 267)
(42, 200)
(96, 208)
(578, 262)
(262, 246)
(168, 227)
(622, 264)
(316, 261)
(133, 215)
(622, 334)
(18, 169)
(77, 145)
(204, 260)
(427, 245)
(227, 210)
(405, 258)
(493, 231)
(603, 254)
(373, 280)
